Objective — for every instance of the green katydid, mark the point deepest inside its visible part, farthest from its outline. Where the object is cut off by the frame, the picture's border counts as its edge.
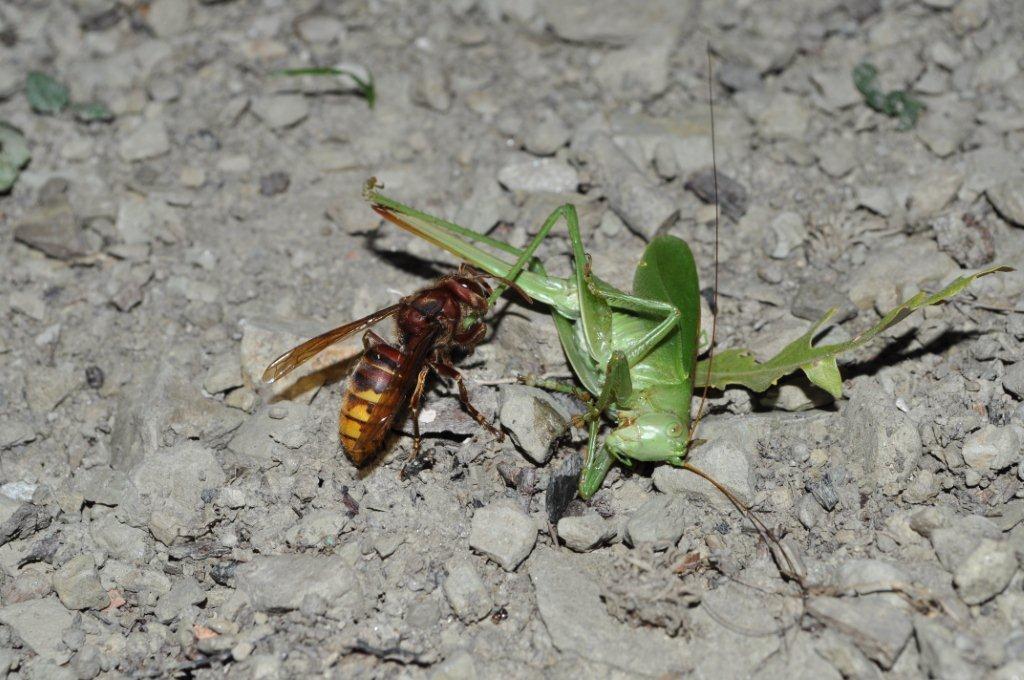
(637, 353)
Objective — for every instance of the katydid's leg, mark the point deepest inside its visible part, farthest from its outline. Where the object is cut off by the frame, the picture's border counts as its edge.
(648, 342)
(596, 466)
(526, 254)
(560, 386)
(618, 386)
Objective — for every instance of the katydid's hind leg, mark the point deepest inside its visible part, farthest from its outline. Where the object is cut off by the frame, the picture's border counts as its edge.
(448, 371)
(597, 464)
(560, 386)
(642, 347)
(414, 411)
(618, 385)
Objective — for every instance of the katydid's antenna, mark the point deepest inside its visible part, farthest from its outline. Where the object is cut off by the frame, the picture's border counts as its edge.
(714, 318)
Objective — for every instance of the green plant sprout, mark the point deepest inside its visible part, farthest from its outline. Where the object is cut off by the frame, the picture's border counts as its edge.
(366, 85)
(895, 104)
(636, 353)
(48, 96)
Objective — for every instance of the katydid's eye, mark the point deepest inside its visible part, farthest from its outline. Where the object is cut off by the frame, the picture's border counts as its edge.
(675, 430)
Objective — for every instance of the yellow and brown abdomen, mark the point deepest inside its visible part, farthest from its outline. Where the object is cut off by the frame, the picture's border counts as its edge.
(369, 405)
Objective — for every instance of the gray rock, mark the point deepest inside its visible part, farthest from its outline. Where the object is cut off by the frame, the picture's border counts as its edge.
(867, 577)
(161, 402)
(168, 17)
(458, 666)
(732, 196)
(87, 662)
(136, 221)
(176, 601)
(577, 620)
(20, 520)
(1011, 671)
(15, 433)
(148, 140)
(321, 28)
(545, 135)
(964, 236)
(933, 191)
(878, 200)
(279, 582)
(837, 89)
(877, 629)
(993, 448)
(53, 229)
(281, 111)
(1013, 382)
(466, 592)
(986, 572)
(939, 655)
(534, 420)
(47, 386)
(40, 624)
(586, 532)
(78, 585)
(317, 528)
(882, 442)
(609, 22)
(169, 484)
(638, 72)
(101, 485)
(784, 117)
(433, 89)
(845, 657)
(540, 175)
(785, 234)
(957, 539)
(120, 540)
(808, 511)
(633, 197)
(721, 459)
(266, 438)
(504, 533)
(658, 523)
(224, 374)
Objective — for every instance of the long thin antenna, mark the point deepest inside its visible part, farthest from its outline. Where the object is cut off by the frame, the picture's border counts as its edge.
(714, 311)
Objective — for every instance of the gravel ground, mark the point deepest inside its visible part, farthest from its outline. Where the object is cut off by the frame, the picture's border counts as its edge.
(163, 512)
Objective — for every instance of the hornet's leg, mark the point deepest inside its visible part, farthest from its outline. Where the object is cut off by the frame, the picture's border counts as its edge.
(448, 371)
(414, 409)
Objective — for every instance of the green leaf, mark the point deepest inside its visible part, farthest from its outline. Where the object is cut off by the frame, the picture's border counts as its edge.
(46, 94)
(93, 112)
(365, 85)
(895, 104)
(739, 367)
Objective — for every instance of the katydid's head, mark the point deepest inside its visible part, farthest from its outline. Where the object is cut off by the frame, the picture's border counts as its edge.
(653, 436)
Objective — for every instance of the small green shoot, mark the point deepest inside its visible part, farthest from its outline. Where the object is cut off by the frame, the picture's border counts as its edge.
(46, 94)
(365, 85)
(895, 104)
(14, 154)
(93, 112)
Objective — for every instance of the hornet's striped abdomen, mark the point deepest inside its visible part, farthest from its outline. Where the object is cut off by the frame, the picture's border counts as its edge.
(361, 409)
